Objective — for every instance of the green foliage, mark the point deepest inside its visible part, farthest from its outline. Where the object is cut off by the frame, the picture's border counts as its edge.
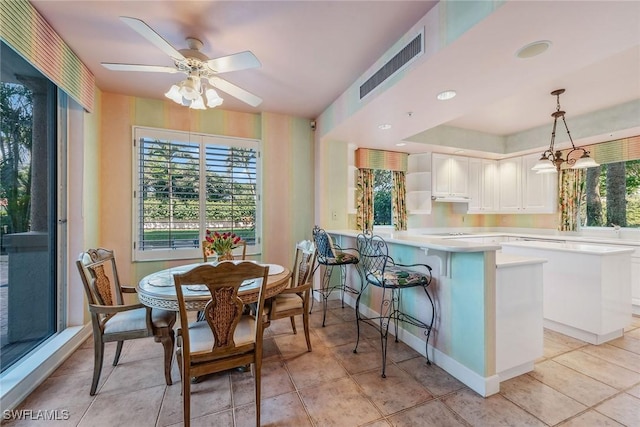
(15, 155)
(382, 186)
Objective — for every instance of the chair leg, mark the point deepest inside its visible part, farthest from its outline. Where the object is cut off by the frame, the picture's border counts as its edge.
(305, 322)
(98, 352)
(257, 377)
(118, 351)
(293, 324)
(167, 338)
(186, 399)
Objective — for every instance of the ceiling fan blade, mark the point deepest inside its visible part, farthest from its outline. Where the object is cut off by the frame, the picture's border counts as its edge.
(148, 33)
(235, 62)
(236, 91)
(136, 67)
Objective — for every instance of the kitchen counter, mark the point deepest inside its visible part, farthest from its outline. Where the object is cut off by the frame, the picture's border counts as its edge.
(587, 287)
(488, 321)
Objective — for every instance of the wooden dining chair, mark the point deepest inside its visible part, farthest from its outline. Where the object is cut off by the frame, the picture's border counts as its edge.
(240, 255)
(294, 300)
(112, 319)
(228, 338)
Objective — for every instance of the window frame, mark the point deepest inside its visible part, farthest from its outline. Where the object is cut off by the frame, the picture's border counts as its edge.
(202, 140)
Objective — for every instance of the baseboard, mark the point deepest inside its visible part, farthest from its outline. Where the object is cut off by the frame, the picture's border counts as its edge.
(22, 379)
(590, 337)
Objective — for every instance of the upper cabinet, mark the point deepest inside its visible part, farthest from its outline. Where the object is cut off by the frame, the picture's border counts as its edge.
(483, 186)
(419, 184)
(522, 190)
(449, 175)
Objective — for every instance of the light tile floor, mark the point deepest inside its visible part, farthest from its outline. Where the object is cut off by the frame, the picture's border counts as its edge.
(574, 384)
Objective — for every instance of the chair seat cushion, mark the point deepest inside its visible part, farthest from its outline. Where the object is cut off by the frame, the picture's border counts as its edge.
(201, 337)
(136, 320)
(395, 276)
(288, 302)
(340, 259)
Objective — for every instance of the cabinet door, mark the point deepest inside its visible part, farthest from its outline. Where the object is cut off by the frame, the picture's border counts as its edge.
(475, 186)
(510, 185)
(459, 176)
(489, 182)
(440, 175)
(539, 190)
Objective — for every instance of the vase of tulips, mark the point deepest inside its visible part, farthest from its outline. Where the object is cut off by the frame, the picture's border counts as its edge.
(222, 244)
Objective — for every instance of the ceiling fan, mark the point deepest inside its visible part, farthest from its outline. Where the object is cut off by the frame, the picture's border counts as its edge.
(202, 72)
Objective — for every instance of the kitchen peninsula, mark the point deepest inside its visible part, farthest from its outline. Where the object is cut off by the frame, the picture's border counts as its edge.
(587, 287)
(483, 313)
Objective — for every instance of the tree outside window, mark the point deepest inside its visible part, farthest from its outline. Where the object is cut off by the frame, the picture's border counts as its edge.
(382, 188)
(612, 195)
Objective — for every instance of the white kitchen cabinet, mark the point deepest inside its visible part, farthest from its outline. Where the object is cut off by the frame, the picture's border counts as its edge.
(519, 314)
(483, 194)
(450, 175)
(586, 287)
(419, 183)
(522, 190)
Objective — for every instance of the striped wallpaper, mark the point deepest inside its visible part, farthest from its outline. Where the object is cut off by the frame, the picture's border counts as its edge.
(26, 31)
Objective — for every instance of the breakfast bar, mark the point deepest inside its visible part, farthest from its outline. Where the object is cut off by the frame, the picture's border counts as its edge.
(482, 313)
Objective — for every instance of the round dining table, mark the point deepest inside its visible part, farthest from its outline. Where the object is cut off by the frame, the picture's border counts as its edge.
(157, 290)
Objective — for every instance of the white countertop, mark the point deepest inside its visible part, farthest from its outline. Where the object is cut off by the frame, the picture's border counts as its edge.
(584, 248)
(504, 260)
(425, 241)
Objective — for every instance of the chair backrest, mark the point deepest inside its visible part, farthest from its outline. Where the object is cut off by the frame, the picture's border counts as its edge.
(374, 255)
(207, 251)
(303, 263)
(99, 275)
(324, 245)
(224, 309)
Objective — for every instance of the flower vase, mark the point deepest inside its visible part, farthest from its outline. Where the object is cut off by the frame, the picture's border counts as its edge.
(228, 256)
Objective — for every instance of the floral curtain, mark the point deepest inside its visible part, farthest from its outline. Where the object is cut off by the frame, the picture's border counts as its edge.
(570, 189)
(364, 192)
(398, 197)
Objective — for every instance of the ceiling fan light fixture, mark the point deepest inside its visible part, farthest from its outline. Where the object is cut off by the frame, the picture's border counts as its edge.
(213, 99)
(198, 104)
(190, 88)
(174, 94)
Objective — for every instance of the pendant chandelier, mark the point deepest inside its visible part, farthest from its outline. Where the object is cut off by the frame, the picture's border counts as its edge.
(551, 160)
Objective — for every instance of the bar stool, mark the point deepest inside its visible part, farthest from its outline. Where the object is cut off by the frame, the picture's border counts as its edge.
(380, 270)
(331, 255)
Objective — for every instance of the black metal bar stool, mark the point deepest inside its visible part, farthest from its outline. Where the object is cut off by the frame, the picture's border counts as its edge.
(380, 270)
(331, 255)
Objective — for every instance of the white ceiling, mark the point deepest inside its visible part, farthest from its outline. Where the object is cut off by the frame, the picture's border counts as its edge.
(312, 51)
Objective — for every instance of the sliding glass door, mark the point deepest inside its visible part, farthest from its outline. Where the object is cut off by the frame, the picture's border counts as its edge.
(30, 185)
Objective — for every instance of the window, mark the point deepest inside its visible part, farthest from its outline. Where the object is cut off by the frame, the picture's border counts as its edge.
(612, 195)
(382, 188)
(32, 209)
(171, 212)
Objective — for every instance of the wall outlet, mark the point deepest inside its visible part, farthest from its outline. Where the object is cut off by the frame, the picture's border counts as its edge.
(334, 215)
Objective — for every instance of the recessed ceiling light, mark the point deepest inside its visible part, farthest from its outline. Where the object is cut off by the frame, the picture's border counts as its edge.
(401, 144)
(445, 95)
(533, 49)
(384, 126)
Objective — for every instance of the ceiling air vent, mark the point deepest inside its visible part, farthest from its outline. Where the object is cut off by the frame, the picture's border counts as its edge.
(395, 64)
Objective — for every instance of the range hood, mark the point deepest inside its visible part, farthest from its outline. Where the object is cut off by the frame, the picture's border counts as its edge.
(450, 199)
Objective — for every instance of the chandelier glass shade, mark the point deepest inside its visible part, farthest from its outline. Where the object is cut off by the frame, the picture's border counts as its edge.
(192, 91)
(551, 160)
